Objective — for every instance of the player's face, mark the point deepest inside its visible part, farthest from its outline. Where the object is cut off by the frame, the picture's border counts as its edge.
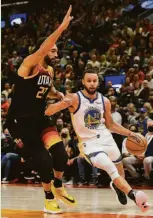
(52, 55)
(90, 83)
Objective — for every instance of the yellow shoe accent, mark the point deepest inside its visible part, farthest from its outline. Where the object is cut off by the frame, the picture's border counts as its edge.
(60, 193)
(51, 206)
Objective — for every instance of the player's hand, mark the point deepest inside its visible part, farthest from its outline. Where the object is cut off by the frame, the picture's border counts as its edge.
(132, 134)
(70, 162)
(68, 100)
(67, 19)
(60, 95)
(22, 160)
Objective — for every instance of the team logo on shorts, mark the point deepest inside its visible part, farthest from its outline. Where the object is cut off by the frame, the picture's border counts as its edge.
(92, 118)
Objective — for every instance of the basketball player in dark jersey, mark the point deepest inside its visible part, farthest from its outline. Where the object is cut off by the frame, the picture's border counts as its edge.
(28, 125)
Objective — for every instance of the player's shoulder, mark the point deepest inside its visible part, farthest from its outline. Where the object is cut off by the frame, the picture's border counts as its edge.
(107, 104)
(50, 69)
(106, 100)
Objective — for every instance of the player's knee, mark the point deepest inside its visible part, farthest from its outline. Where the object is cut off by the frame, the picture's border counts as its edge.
(7, 156)
(102, 161)
(44, 166)
(146, 161)
(60, 156)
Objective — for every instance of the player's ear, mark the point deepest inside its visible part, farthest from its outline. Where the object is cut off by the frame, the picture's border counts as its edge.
(82, 81)
(98, 81)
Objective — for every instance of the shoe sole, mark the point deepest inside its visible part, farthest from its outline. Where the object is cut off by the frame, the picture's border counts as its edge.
(52, 212)
(111, 185)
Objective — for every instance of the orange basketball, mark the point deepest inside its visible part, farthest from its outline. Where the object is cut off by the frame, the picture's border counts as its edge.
(137, 144)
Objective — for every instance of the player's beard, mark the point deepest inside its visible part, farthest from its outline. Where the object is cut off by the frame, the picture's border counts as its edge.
(48, 60)
(89, 91)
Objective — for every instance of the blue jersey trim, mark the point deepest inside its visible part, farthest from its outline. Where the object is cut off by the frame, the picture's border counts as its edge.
(78, 104)
(102, 97)
(118, 160)
(90, 100)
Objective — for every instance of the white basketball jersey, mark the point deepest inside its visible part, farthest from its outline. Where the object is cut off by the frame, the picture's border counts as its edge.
(88, 120)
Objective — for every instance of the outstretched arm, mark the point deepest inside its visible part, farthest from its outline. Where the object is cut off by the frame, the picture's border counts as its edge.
(34, 59)
(61, 105)
(53, 93)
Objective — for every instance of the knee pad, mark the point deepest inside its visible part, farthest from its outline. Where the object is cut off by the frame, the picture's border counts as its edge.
(44, 164)
(59, 156)
(103, 162)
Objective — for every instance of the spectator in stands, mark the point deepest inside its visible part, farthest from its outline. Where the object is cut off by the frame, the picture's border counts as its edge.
(16, 59)
(9, 156)
(137, 88)
(72, 172)
(148, 157)
(139, 72)
(117, 118)
(111, 92)
(7, 89)
(68, 88)
(130, 161)
(4, 103)
(59, 124)
(114, 62)
(150, 80)
(131, 114)
(65, 136)
(93, 62)
(75, 59)
(104, 63)
(31, 47)
(151, 98)
(59, 86)
(142, 121)
(68, 71)
(115, 115)
(108, 85)
(149, 109)
(144, 93)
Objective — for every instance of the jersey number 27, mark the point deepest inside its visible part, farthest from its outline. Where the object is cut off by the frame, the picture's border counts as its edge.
(41, 92)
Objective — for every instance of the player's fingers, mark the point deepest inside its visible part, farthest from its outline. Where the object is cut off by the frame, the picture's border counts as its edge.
(71, 18)
(69, 11)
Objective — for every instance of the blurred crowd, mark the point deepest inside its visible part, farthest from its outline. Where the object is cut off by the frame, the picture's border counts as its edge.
(105, 38)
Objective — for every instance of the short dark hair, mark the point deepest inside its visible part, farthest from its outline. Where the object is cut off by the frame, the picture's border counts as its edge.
(91, 71)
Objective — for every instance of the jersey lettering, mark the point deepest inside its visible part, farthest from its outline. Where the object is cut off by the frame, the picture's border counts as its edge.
(44, 80)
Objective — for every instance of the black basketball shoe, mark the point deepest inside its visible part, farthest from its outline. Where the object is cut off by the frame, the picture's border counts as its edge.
(120, 195)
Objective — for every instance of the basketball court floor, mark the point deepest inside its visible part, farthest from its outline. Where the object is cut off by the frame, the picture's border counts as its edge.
(26, 201)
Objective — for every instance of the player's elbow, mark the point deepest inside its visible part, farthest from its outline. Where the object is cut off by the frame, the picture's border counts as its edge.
(48, 112)
(110, 126)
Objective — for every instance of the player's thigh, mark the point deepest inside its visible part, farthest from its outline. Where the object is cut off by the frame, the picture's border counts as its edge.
(50, 137)
(113, 153)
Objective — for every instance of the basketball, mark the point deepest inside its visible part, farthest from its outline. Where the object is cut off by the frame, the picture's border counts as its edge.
(137, 144)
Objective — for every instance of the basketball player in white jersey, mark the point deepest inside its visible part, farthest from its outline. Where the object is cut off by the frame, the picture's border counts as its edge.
(92, 120)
